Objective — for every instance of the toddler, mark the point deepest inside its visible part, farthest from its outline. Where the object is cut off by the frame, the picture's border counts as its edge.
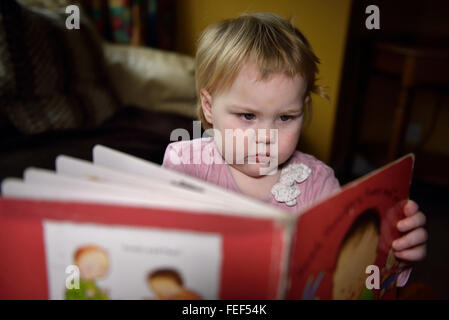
(255, 75)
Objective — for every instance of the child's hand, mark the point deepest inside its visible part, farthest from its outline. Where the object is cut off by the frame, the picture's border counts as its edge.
(412, 246)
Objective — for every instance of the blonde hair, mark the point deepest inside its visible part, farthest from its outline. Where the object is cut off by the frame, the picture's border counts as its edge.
(271, 41)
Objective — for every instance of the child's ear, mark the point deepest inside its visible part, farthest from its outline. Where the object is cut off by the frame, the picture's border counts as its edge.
(206, 105)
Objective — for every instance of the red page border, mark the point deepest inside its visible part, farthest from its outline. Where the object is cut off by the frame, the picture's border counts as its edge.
(249, 245)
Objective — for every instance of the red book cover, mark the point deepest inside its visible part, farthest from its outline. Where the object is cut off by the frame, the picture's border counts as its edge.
(215, 256)
(81, 250)
(339, 238)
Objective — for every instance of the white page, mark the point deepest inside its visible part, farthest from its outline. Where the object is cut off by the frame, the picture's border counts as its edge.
(133, 253)
(17, 188)
(38, 176)
(70, 166)
(117, 160)
(41, 185)
(46, 184)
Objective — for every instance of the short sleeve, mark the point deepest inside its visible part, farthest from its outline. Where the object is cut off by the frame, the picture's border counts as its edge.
(330, 183)
(324, 183)
(179, 157)
(173, 159)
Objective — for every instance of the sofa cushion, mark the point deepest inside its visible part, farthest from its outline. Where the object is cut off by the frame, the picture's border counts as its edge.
(53, 78)
(157, 80)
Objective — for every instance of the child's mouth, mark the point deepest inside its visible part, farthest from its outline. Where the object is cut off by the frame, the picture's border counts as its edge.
(259, 158)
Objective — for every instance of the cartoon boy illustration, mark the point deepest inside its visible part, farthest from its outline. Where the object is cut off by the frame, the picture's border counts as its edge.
(167, 285)
(312, 285)
(357, 251)
(93, 264)
(389, 273)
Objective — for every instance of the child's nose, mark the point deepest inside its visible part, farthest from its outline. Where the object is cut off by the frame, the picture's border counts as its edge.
(266, 135)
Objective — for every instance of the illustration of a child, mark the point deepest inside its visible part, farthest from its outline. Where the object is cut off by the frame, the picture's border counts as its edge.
(167, 284)
(93, 263)
(357, 251)
(255, 74)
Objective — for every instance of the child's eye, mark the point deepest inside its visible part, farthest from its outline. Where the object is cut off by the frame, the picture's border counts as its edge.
(247, 116)
(285, 118)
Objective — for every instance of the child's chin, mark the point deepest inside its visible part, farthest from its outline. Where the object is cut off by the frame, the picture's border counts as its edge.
(256, 170)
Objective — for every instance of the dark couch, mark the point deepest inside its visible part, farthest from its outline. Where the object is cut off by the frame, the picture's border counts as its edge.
(66, 97)
(132, 130)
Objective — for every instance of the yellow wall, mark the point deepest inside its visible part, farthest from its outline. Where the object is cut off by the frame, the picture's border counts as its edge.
(323, 22)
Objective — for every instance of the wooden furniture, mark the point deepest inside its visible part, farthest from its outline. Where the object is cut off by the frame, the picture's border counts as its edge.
(415, 66)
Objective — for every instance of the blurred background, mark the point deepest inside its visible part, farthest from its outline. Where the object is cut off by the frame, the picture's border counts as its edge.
(125, 79)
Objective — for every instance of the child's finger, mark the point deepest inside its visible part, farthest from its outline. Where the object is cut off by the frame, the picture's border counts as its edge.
(410, 208)
(411, 239)
(413, 255)
(415, 221)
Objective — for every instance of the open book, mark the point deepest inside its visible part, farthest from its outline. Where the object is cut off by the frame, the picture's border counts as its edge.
(125, 228)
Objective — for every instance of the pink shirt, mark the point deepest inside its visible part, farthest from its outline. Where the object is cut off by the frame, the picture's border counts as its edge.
(180, 156)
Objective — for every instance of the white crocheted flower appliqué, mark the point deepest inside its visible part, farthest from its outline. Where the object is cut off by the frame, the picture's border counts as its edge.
(286, 190)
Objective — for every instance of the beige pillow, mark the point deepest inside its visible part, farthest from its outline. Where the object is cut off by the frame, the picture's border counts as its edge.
(152, 79)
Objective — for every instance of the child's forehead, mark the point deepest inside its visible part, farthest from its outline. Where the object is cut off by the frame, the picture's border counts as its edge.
(253, 72)
(250, 82)
(250, 68)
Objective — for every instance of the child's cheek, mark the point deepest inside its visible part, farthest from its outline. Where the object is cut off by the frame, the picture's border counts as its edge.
(234, 147)
(287, 146)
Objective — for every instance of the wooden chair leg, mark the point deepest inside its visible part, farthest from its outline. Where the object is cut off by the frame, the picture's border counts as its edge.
(402, 111)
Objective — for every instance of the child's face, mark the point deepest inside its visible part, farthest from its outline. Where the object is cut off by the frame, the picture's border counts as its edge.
(274, 103)
(356, 253)
(165, 286)
(93, 265)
